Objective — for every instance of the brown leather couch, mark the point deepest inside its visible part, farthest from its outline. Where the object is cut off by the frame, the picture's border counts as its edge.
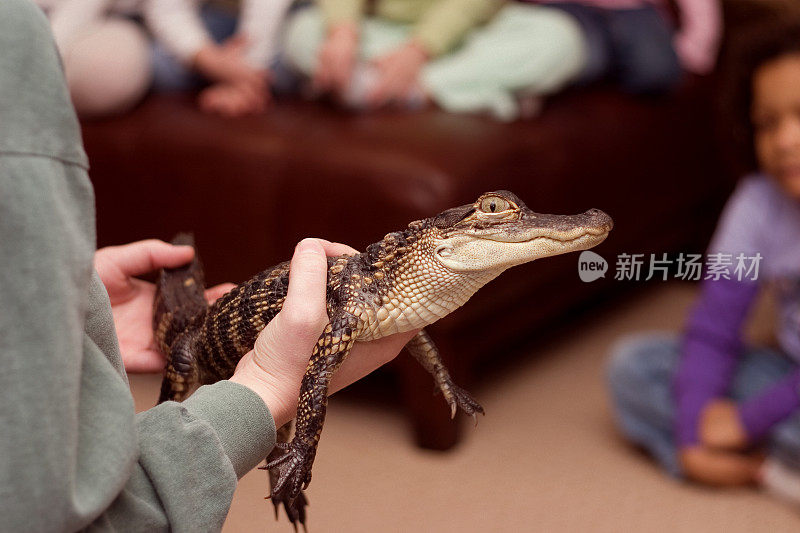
(251, 188)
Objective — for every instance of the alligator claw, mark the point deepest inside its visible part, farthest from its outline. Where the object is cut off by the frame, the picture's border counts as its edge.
(295, 509)
(292, 469)
(294, 506)
(461, 398)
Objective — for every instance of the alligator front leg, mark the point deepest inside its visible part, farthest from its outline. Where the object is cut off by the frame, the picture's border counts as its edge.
(422, 348)
(294, 464)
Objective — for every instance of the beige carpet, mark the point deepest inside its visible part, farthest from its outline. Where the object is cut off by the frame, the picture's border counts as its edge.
(545, 457)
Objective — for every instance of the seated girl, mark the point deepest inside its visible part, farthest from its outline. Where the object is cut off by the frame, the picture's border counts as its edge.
(110, 62)
(463, 55)
(225, 52)
(705, 405)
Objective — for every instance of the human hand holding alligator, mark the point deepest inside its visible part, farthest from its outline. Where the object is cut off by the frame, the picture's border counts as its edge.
(275, 366)
(132, 298)
(403, 283)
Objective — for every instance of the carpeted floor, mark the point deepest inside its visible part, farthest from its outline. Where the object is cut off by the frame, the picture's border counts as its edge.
(545, 458)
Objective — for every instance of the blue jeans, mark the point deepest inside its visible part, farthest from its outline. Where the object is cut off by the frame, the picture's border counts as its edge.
(640, 376)
(630, 46)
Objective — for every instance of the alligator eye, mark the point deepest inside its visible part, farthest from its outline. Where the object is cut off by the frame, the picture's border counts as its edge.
(494, 204)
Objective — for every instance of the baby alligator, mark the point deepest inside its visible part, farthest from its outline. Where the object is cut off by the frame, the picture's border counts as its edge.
(408, 280)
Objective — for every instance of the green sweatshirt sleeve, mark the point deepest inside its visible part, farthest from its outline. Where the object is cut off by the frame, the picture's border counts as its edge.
(447, 22)
(336, 12)
(74, 454)
(190, 456)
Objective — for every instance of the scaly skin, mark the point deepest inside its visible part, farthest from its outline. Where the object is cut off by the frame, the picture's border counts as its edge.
(407, 281)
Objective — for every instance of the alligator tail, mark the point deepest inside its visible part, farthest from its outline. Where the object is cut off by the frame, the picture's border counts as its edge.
(179, 299)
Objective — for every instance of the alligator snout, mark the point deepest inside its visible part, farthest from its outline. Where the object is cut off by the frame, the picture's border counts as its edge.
(600, 219)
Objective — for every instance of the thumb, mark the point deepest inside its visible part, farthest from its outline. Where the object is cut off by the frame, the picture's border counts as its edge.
(146, 256)
(294, 331)
(117, 263)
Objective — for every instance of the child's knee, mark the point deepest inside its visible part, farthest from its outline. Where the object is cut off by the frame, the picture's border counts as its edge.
(638, 360)
(569, 32)
(556, 33)
(302, 39)
(626, 362)
(108, 68)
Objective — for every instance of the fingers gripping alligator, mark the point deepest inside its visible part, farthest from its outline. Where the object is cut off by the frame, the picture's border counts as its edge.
(408, 280)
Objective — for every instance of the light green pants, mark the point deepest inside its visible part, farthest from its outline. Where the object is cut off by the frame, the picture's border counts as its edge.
(523, 49)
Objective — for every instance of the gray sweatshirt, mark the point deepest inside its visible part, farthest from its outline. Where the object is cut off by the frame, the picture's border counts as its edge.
(73, 455)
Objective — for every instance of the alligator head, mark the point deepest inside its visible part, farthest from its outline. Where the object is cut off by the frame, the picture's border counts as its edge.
(499, 231)
(421, 274)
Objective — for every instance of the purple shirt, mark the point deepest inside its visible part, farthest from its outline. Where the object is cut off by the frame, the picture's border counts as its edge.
(758, 218)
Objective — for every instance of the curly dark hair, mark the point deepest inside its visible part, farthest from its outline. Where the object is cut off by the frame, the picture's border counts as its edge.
(766, 42)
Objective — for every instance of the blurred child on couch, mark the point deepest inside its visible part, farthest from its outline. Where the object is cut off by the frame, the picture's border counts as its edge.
(463, 55)
(636, 43)
(224, 50)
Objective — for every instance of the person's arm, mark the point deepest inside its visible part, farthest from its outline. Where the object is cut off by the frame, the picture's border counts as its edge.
(73, 453)
(177, 463)
(697, 40)
(338, 13)
(763, 411)
(72, 427)
(260, 21)
(447, 22)
(712, 341)
(240, 87)
(709, 352)
(711, 432)
(177, 24)
(439, 29)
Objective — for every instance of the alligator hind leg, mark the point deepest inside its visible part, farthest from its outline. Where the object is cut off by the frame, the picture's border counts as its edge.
(181, 373)
(422, 348)
(295, 510)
